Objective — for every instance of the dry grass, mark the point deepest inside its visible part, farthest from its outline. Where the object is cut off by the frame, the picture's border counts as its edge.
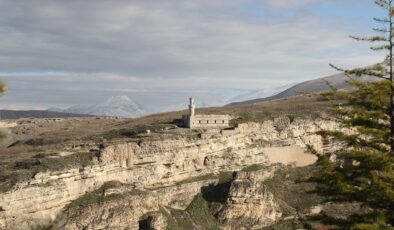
(46, 138)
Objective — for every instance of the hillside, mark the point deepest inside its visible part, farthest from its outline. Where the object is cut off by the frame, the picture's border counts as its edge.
(312, 86)
(110, 173)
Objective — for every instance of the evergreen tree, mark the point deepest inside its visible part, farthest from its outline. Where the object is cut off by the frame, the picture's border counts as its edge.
(3, 132)
(2, 87)
(363, 169)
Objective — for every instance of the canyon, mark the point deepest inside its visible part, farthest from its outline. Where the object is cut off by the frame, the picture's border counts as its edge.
(159, 175)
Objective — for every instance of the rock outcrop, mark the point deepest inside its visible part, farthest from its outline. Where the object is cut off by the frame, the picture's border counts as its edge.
(249, 204)
(126, 208)
(157, 222)
(152, 164)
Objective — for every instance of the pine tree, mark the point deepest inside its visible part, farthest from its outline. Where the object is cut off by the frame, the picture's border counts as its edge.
(2, 87)
(3, 132)
(363, 169)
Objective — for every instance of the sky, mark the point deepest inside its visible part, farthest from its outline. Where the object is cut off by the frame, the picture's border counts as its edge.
(59, 53)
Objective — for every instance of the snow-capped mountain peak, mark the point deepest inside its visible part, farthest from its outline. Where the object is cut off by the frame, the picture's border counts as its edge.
(118, 101)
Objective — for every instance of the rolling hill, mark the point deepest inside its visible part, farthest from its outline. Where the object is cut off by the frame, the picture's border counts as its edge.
(339, 81)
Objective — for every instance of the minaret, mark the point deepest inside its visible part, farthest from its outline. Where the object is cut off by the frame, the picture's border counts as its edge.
(192, 107)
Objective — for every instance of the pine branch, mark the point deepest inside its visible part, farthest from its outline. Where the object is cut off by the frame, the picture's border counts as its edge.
(381, 30)
(366, 72)
(375, 71)
(337, 68)
(331, 86)
(363, 170)
(383, 3)
(380, 48)
(382, 20)
(370, 39)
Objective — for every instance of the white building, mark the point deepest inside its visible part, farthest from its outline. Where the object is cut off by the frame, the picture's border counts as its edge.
(195, 121)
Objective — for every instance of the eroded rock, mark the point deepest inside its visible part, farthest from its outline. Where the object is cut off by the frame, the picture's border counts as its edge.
(158, 163)
(157, 222)
(250, 205)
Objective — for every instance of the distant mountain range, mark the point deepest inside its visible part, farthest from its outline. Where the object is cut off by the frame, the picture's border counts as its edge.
(124, 106)
(121, 106)
(260, 93)
(17, 114)
(338, 81)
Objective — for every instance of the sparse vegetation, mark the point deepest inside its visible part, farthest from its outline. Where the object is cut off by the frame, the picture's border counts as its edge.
(76, 160)
(200, 213)
(40, 142)
(291, 192)
(97, 196)
(196, 216)
(251, 116)
(177, 219)
(253, 168)
(25, 170)
(287, 225)
(9, 181)
(196, 179)
(291, 189)
(225, 176)
(135, 133)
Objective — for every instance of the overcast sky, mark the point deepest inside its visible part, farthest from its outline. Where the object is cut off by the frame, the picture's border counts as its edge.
(57, 53)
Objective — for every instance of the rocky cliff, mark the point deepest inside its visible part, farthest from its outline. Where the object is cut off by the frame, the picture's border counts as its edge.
(249, 203)
(156, 173)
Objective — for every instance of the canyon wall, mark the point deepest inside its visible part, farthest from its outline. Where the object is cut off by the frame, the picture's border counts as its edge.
(249, 203)
(149, 165)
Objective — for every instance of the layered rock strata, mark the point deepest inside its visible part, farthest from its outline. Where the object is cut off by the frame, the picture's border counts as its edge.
(249, 204)
(151, 164)
(127, 208)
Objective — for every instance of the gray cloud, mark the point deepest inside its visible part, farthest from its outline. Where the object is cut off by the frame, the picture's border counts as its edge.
(165, 45)
(289, 3)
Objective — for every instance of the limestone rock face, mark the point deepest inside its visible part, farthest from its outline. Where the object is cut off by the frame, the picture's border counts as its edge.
(249, 204)
(150, 164)
(126, 212)
(281, 123)
(157, 222)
